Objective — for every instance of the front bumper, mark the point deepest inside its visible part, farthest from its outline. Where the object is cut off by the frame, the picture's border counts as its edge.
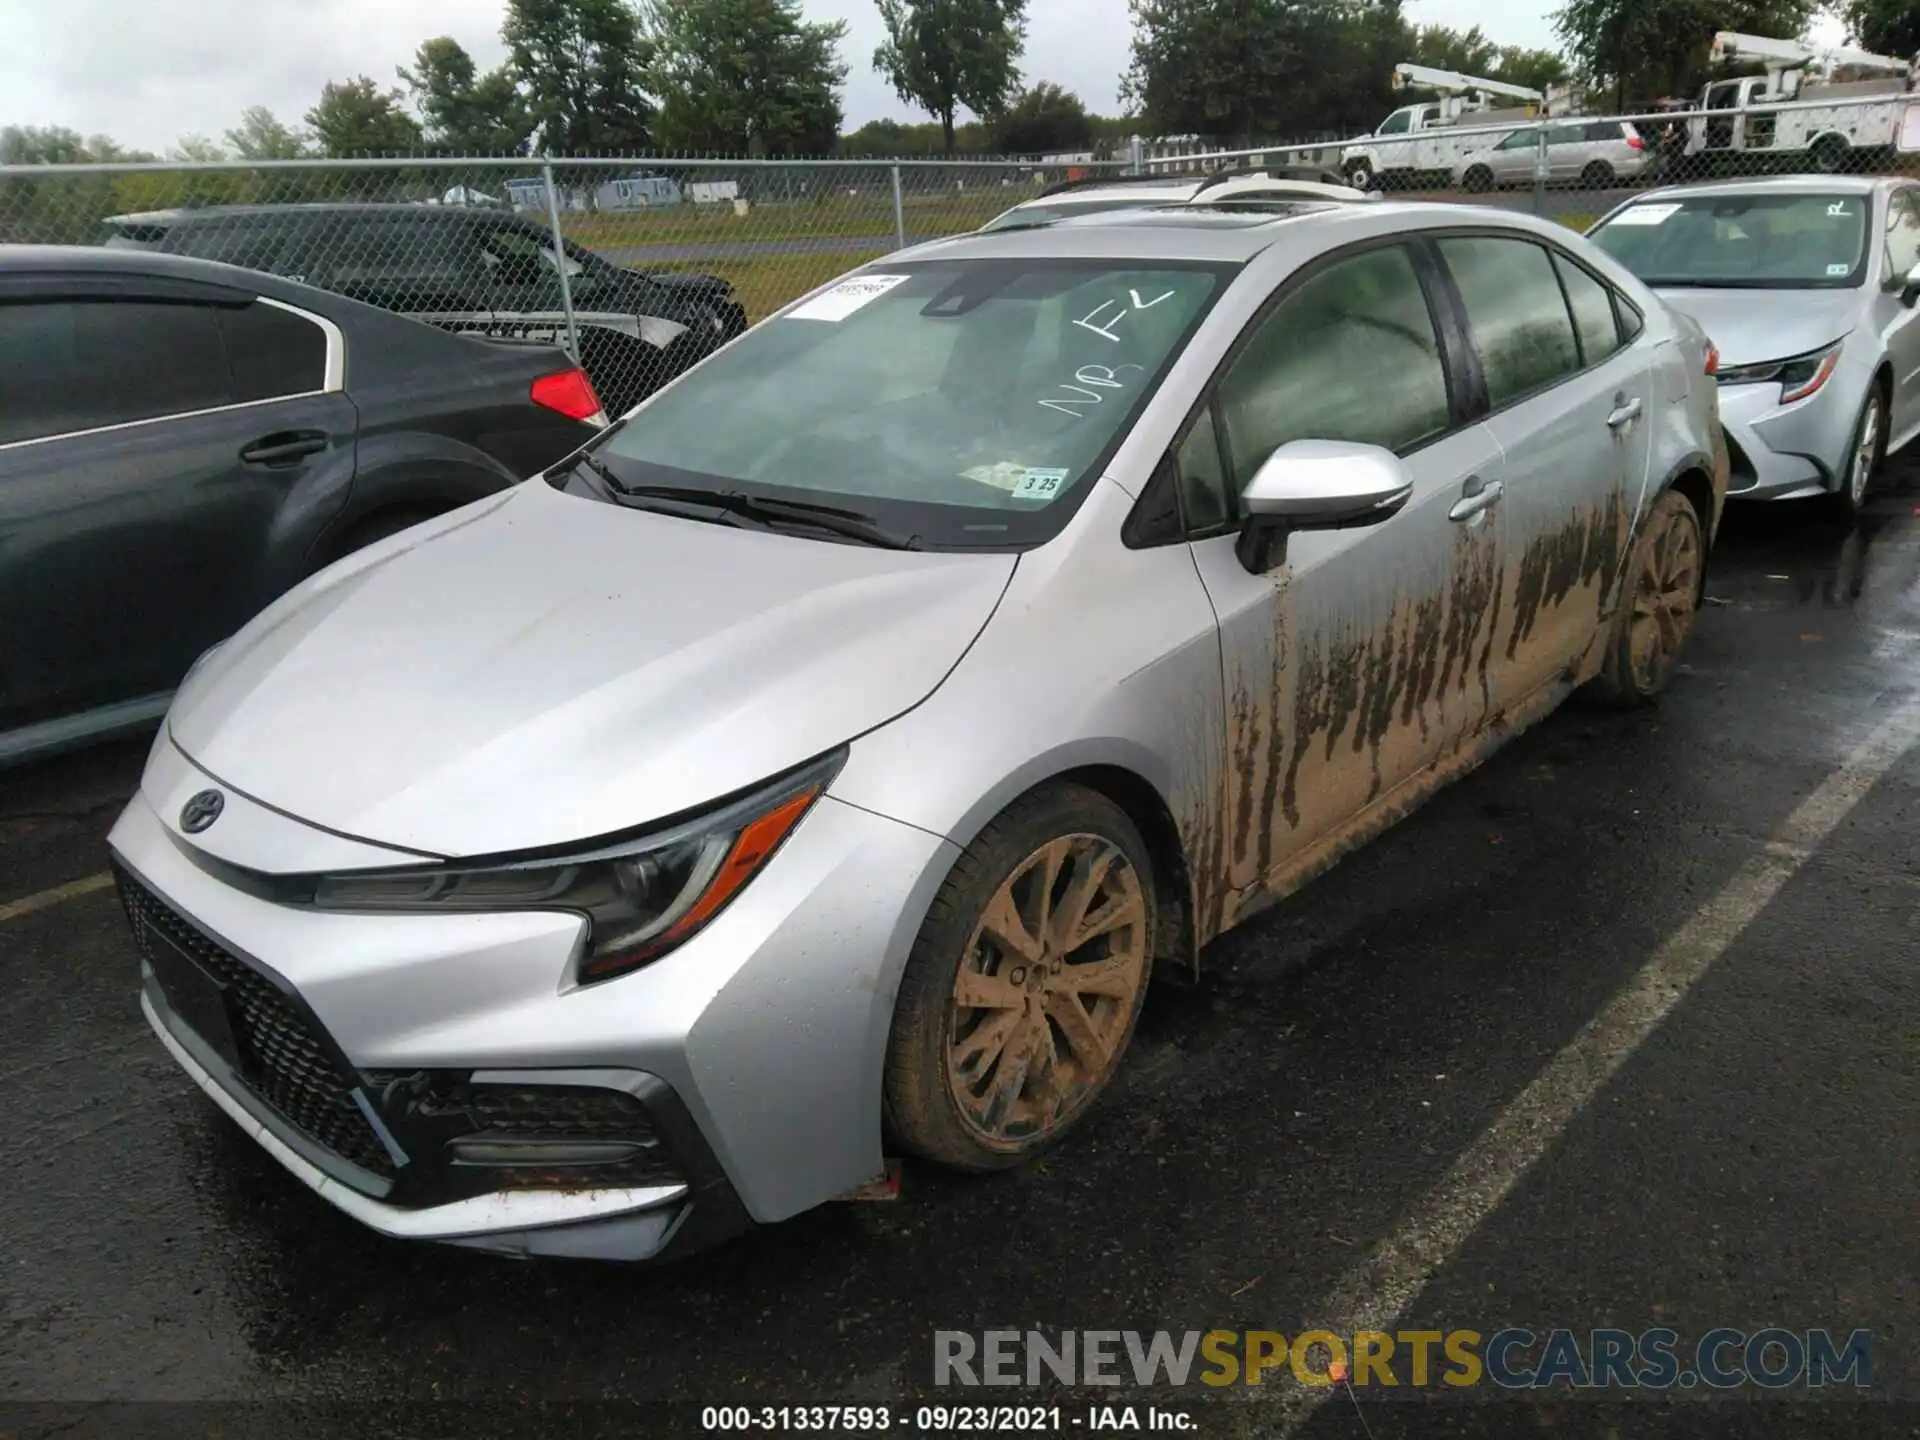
(748, 1061)
(1787, 452)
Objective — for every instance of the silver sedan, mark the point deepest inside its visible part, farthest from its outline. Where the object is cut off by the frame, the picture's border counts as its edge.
(826, 758)
(1807, 287)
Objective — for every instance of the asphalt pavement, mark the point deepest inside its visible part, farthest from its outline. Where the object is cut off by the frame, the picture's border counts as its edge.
(1619, 1031)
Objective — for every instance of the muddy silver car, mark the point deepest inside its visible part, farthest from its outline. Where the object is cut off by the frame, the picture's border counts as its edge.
(1591, 153)
(1808, 288)
(827, 759)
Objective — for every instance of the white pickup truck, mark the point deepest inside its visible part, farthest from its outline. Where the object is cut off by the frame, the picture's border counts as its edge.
(1428, 139)
(1827, 121)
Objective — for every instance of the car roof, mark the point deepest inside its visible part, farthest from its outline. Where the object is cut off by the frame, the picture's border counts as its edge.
(1778, 185)
(1229, 233)
(181, 214)
(1146, 192)
(154, 264)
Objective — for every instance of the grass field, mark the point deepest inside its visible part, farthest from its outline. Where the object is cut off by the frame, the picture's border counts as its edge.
(841, 214)
(766, 282)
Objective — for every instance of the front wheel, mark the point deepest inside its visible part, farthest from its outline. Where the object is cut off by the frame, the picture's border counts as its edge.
(1863, 458)
(1024, 984)
(1597, 176)
(1360, 176)
(1478, 180)
(1657, 607)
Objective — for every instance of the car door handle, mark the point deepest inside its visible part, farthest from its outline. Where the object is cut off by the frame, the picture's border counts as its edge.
(1624, 414)
(284, 448)
(1476, 496)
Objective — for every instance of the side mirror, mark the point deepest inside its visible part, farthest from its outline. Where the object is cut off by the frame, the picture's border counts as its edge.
(1316, 485)
(1910, 289)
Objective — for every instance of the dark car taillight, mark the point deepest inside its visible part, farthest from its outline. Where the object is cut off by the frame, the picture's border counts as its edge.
(571, 393)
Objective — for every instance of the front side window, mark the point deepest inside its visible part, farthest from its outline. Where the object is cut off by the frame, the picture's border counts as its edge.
(1352, 354)
(1515, 312)
(957, 401)
(1742, 241)
(1903, 237)
(1398, 123)
(71, 365)
(1521, 140)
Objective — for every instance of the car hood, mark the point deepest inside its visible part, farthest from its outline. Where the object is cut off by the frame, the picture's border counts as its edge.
(1749, 326)
(541, 668)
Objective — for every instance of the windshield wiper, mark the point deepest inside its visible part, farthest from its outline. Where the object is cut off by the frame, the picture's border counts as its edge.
(774, 514)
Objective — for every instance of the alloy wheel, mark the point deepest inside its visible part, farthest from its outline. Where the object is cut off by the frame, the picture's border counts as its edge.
(1046, 990)
(1665, 598)
(1866, 447)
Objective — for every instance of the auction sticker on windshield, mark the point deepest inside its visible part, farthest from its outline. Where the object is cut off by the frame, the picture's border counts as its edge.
(846, 297)
(1040, 484)
(1644, 215)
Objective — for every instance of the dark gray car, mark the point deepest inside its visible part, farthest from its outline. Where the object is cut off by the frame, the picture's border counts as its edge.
(180, 442)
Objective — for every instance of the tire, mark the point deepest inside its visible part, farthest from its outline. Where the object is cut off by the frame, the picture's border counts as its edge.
(1361, 176)
(1864, 454)
(969, 1089)
(1830, 154)
(1478, 180)
(1597, 176)
(1660, 596)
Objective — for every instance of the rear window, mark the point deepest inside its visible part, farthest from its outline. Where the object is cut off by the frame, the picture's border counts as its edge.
(1756, 242)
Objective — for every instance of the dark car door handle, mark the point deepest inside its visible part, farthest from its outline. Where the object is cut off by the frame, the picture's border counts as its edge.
(284, 448)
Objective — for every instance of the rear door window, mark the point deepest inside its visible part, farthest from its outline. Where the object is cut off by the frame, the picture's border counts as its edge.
(1592, 305)
(273, 352)
(1515, 311)
(401, 262)
(71, 365)
(253, 244)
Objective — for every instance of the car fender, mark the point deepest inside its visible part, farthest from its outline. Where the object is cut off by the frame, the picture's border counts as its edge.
(413, 470)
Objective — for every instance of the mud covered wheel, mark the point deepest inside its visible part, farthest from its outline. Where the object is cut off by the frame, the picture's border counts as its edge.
(1863, 458)
(1024, 985)
(1657, 607)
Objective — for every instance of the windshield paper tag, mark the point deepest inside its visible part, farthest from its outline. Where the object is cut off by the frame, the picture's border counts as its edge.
(846, 297)
(1644, 215)
(1839, 269)
(1040, 484)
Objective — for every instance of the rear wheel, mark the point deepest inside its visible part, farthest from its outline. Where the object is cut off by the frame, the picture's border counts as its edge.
(1478, 179)
(1830, 154)
(1657, 608)
(1022, 990)
(1597, 176)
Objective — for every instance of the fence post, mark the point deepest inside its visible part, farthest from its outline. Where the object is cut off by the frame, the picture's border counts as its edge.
(1540, 168)
(1136, 155)
(899, 213)
(560, 259)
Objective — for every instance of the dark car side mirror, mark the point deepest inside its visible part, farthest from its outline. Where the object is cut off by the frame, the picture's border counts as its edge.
(1910, 288)
(1316, 485)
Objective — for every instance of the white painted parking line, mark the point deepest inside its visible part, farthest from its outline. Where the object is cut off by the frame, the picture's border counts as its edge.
(58, 895)
(1379, 1290)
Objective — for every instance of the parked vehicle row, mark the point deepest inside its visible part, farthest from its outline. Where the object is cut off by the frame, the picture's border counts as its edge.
(568, 876)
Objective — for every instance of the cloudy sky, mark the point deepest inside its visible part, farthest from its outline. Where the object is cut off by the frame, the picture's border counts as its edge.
(149, 71)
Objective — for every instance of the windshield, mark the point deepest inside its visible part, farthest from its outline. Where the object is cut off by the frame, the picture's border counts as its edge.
(960, 402)
(1024, 217)
(1752, 241)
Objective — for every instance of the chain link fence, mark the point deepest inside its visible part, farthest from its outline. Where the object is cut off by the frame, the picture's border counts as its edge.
(666, 258)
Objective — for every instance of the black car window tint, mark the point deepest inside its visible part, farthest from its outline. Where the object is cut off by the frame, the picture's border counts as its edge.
(273, 352)
(83, 364)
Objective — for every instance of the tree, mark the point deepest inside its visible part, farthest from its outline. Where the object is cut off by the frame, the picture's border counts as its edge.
(1644, 49)
(580, 63)
(357, 117)
(1046, 119)
(1281, 68)
(466, 113)
(942, 54)
(745, 76)
(1536, 69)
(261, 136)
(1887, 27)
(198, 149)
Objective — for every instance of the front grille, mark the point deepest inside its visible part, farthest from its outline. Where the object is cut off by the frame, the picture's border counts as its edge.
(282, 1056)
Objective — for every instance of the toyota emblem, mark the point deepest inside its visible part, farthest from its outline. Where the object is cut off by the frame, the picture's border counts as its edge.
(201, 811)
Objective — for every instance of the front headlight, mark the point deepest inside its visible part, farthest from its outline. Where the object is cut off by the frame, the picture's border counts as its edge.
(1798, 377)
(642, 897)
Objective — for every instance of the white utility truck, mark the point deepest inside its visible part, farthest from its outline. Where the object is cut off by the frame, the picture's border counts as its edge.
(1828, 119)
(1425, 140)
